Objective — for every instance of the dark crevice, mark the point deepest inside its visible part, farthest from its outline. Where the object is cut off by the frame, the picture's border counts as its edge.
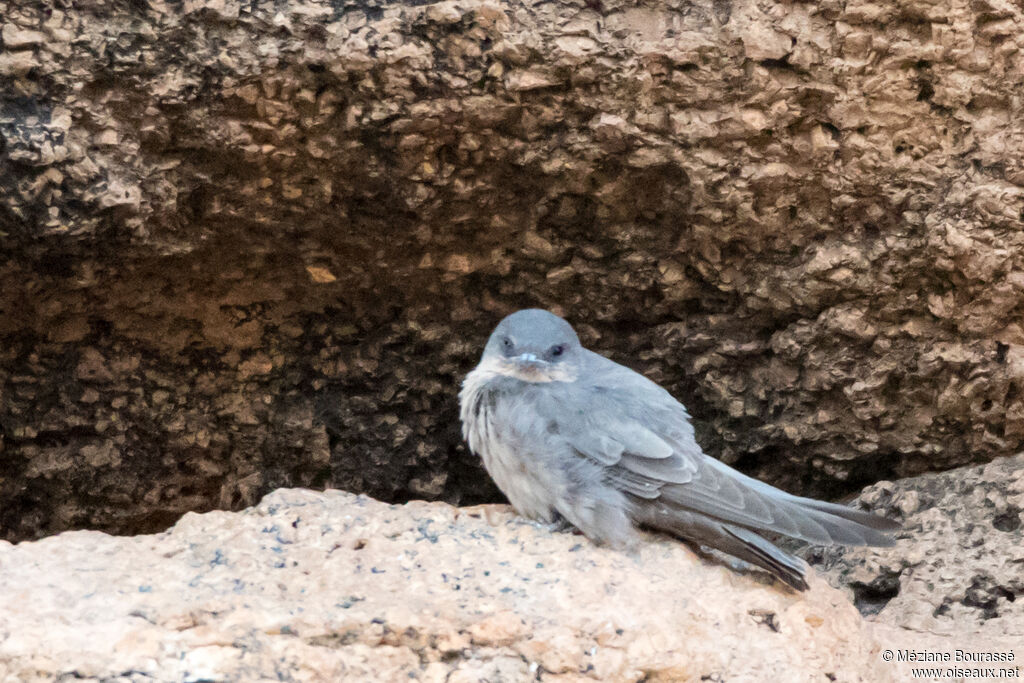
(984, 594)
(1009, 520)
(871, 598)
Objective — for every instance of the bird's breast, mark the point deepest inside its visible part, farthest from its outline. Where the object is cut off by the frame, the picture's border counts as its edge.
(512, 465)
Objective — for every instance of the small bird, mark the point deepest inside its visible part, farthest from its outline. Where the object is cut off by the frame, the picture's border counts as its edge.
(571, 436)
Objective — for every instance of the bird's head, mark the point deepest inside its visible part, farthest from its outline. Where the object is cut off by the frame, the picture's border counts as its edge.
(534, 345)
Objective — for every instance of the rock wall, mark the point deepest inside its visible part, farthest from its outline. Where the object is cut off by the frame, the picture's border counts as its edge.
(955, 569)
(951, 585)
(244, 245)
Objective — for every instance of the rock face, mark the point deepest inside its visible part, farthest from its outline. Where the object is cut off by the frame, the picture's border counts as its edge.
(310, 587)
(959, 565)
(236, 235)
(955, 578)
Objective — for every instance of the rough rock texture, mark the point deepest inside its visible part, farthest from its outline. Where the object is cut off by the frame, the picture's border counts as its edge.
(310, 586)
(234, 235)
(959, 561)
(955, 578)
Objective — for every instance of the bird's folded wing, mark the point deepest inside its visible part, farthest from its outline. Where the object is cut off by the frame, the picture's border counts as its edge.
(643, 436)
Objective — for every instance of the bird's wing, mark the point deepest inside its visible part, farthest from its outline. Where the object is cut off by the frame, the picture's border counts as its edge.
(622, 420)
(644, 438)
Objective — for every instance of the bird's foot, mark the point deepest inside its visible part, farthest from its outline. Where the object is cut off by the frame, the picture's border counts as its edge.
(557, 524)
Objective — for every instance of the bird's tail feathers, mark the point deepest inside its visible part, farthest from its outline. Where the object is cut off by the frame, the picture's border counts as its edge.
(760, 552)
(736, 541)
(862, 517)
(721, 492)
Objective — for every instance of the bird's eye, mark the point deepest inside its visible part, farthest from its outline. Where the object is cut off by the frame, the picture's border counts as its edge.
(557, 351)
(506, 344)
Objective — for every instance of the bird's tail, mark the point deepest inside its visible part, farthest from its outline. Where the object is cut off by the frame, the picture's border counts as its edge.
(722, 493)
(736, 541)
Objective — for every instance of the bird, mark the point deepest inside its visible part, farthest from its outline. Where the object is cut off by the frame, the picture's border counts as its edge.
(574, 438)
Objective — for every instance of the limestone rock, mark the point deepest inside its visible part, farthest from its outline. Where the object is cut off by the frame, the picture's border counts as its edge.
(955, 578)
(958, 563)
(330, 586)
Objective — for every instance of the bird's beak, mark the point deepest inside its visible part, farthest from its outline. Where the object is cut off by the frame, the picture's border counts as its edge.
(529, 362)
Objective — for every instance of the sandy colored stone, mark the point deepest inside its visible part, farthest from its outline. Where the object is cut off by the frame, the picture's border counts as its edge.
(330, 586)
(954, 579)
(957, 564)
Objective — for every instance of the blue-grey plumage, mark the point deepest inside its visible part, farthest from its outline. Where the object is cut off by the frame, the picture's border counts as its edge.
(565, 432)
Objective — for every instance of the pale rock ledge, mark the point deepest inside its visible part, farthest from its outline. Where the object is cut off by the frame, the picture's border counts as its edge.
(331, 586)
